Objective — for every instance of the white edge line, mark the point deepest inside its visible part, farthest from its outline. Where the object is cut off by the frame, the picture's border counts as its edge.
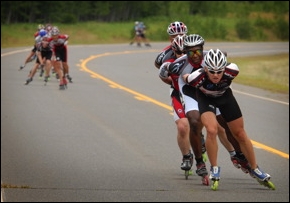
(264, 98)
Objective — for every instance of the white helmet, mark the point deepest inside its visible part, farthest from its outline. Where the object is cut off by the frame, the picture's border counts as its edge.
(193, 40)
(177, 43)
(176, 28)
(215, 60)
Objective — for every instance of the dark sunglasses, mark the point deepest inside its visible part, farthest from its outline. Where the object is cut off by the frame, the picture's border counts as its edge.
(215, 72)
(190, 53)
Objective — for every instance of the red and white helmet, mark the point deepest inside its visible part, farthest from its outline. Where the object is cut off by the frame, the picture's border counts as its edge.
(177, 43)
(176, 28)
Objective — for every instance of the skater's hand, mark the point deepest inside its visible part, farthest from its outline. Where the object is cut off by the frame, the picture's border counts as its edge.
(163, 73)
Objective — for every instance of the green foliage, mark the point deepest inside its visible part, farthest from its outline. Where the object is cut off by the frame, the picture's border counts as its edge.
(281, 29)
(244, 29)
(214, 30)
(259, 35)
(68, 18)
(124, 11)
(178, 9)
(278, 7)
(263, 22)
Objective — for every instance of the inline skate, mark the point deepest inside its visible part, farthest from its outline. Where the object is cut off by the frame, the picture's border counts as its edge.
(262, 178)
(201, 171)
(46, 78)
(215, 177)
(28, 81)
(186, 164)
(240, 162)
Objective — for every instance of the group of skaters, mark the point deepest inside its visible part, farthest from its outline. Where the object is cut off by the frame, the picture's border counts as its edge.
(201, 97)
(139, 34)
(50, 52)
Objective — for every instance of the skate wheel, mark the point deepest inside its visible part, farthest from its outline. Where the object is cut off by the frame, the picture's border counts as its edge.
(190, 172)
(267, 184)
(236, 164)
(186, 173)
(204, 157)
(215, 185)
(205, 180)
(271, 185)
(245, 170)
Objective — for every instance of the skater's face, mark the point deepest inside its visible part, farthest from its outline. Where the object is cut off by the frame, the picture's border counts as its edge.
(194, 54)
(214, 76)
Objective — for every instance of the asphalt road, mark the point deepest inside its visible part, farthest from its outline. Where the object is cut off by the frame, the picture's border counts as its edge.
(111, 137)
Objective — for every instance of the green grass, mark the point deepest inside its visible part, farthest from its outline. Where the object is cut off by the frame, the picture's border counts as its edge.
(269, 73)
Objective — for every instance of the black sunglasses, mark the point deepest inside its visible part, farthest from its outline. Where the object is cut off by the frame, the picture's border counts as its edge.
(215, 72)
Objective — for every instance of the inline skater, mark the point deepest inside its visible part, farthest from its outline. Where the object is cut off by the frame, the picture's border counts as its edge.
(176, 31)
(178, 111)
(180, 66)
(58, 43)
(169, 54)
(212, 86)
(43, 53)
(140, 30)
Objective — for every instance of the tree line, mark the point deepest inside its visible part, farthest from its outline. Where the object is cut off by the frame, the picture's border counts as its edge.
(124, 11)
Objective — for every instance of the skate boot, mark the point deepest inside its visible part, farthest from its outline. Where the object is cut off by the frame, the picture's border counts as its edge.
(21, 67)
(64, 82)
(41, 72)
(46, 78)
(240, 161)
(235, 161)
(147, 45)
(69, 78)
(186, 164)
(214, 176)
(28, 81)
(202, 171)
(62, 87)
(263, 178)
(138, 45)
